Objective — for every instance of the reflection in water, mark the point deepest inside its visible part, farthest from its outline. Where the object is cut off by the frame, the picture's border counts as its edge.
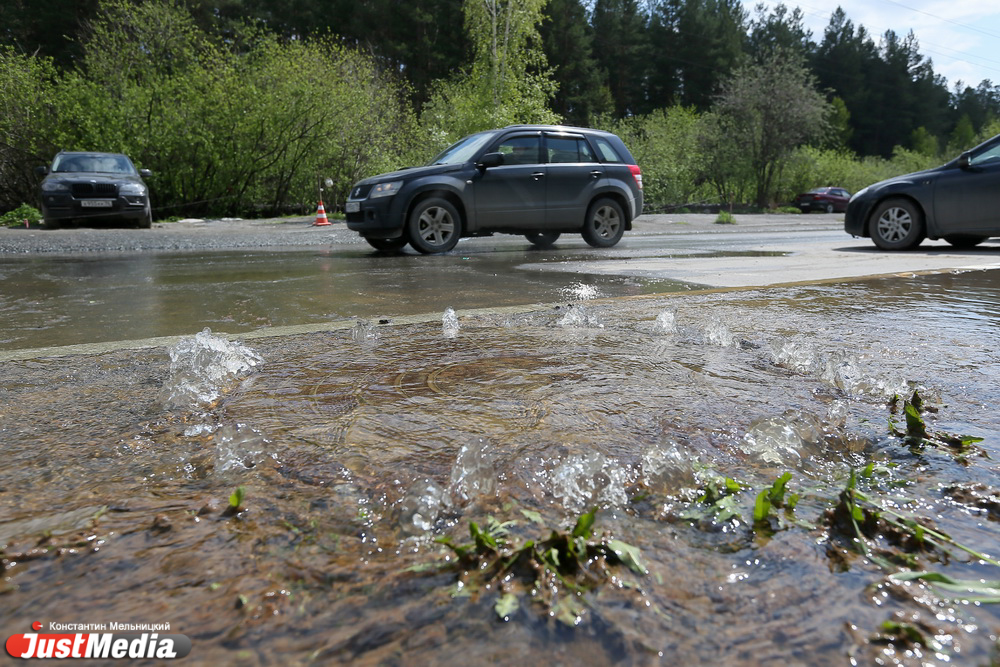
(64, 301)
(358, 449)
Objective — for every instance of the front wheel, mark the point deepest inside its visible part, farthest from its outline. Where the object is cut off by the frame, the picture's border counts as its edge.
(387, 245)
(434, 226)
(543, 239)
(829, 208)
(605, 224)
(963, 241)
(146, 221)
(897, 224)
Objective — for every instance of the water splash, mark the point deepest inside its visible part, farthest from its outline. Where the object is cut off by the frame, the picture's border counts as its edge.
(666, 322)
(474, 473)
(785, 439)
(364, 333)
(203, 367)
(424, 504)
(718, 333)
(578, 317)
(449, 323)
(239, 447)
(580, 292)
(581, 481)
(667, 468)
(840, 368)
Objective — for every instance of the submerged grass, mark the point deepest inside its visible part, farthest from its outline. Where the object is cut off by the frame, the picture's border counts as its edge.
(557, 573)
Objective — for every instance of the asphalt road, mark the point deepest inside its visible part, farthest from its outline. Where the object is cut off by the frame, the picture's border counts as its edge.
(758, 250)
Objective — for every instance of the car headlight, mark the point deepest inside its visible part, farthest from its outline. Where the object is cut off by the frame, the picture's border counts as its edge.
(859, 193)
(385, 189)
(134, 189)
(54, 186)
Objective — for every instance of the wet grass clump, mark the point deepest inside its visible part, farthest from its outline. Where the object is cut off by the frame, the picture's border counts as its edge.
(556, 573)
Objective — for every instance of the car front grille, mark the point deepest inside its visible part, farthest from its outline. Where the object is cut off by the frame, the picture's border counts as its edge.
(360, 191)
(94, 190)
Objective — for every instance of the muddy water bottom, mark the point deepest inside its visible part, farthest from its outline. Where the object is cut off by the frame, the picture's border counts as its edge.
(358, 449)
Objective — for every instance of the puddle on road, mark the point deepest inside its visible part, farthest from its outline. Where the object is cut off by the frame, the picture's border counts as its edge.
(52, 301)
(357, 449)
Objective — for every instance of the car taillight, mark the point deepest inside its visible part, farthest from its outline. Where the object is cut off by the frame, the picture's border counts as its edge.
(636, 174)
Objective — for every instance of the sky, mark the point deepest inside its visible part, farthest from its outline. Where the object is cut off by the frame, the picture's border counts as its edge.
(961, 37)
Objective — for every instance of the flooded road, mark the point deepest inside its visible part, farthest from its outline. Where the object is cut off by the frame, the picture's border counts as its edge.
(50, 301)
(364, 451)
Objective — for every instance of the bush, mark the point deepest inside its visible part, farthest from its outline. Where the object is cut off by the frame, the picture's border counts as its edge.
(17, 217)
(725, 218)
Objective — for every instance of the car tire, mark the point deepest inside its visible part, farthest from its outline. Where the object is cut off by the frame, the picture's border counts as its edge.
(434, 226)
(829, 208)
(543, 239)
(605, 224)
(388, 245)
(897, 224)
(964, 241)
(50, 223)
(146, 221)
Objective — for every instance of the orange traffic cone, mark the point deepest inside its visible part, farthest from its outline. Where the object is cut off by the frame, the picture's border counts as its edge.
(321, 216)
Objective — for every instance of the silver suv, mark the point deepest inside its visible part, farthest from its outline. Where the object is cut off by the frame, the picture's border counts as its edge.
(539, 181)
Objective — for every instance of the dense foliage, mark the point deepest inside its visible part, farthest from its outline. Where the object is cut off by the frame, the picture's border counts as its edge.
(246, 106)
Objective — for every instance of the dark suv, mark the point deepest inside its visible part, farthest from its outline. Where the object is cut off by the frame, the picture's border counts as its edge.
(89, 187)
(535, 180)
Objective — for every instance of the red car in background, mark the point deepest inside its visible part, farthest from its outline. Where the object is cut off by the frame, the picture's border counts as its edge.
(824, 199)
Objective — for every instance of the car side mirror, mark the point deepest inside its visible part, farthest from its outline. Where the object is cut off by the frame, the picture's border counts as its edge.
(490, 160)
(145, 173)
(42, 171)
(963, 161)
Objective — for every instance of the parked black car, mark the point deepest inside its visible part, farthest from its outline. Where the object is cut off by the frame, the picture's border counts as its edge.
(539, 181)
(94, 187)
(958, 201)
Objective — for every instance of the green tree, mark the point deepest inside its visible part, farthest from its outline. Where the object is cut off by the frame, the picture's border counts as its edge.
(622, 50)
(665, 144)
(49, 29)
(710, 46)
(843, 62)
(27, 88)
(582, 95)
(509, 80)
(767, 110)
(778, 29)
(963, 137)
(924, 143)
(839, 123)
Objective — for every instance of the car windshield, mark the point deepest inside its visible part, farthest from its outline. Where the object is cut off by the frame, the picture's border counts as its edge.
(98, 163)
(464, 149)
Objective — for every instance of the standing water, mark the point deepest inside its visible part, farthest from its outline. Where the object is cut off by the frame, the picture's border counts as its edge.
(767, 472)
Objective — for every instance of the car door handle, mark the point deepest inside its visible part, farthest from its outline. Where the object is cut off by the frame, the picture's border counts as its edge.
(538, 175)
(595, 174)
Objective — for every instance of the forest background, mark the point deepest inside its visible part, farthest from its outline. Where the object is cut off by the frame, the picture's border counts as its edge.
(245, 107)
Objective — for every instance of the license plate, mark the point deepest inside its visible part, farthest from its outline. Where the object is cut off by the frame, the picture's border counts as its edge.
(353, 206)
(96, 203)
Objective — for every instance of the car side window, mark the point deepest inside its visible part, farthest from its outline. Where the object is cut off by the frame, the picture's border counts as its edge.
(568, 150)
(607, 151)
(990, 156)
(520, 150)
